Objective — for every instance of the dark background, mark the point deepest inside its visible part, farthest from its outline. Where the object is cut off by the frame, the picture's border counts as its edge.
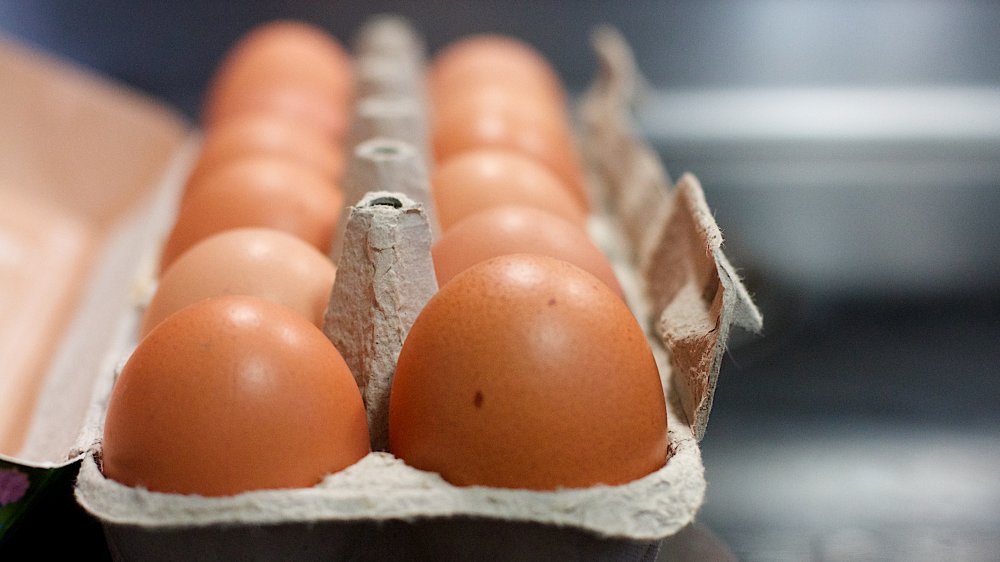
(861, 207)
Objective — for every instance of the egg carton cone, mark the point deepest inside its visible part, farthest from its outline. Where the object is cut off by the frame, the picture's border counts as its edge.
(384, 164)
(390, 58)
(390, 62)
(386, 247)
(666, 249)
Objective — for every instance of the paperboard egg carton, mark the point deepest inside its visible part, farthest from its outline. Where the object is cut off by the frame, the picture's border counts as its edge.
(666, 249)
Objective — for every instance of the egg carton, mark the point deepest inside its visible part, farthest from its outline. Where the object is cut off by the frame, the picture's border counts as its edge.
(666, 249)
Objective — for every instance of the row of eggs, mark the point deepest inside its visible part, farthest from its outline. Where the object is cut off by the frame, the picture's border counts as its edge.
(523, 371)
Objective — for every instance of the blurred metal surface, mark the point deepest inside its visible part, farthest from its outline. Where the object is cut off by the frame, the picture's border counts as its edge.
(846, 189)
(863, 430)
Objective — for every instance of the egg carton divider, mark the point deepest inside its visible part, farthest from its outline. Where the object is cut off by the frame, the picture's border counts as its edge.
(384, 278)
(692, 292)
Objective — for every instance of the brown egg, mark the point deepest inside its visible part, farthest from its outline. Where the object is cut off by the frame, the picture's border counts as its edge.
(267, 192)
(233, 394)
(294, 55)
(478, 179)
(476, 97)
(504, 230)
(527, 372)
(260, 262)
(264, 134)
(300, 105)
(542, 136)
(493, 58)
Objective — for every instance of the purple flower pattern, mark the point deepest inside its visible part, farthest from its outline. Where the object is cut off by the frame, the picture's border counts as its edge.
(13, 485)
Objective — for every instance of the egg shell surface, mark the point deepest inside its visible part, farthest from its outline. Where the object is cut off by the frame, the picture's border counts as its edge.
(527, 372)
(232, 394)
(482, 178)
(260, 262)
(504, 230)
(259, 192)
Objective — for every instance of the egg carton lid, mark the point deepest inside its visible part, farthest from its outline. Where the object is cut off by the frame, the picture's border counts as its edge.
(109, 173)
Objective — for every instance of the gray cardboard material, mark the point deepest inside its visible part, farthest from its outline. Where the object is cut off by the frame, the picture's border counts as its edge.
(390, 57)
(383, 164)
(390, 63)
(695, 324)
(390, 116)
(384, 278)
(381, 487)
(694, 293)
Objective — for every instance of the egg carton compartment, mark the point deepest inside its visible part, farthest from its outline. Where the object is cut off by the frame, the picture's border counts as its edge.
(666, 249)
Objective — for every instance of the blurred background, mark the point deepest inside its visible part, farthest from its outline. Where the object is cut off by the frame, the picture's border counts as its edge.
(851, 153)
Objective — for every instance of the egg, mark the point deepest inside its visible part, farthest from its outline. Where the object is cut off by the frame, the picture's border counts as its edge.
(265, 191)
(296, 56)
(496, 95)
(299, 105)
(260, 262)
(527, 372)
(541, 136)
(232, 394)
(505, 230)
(476, 97)
(478, 179)
(492, 90)
(268, 134)
(493, 58)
